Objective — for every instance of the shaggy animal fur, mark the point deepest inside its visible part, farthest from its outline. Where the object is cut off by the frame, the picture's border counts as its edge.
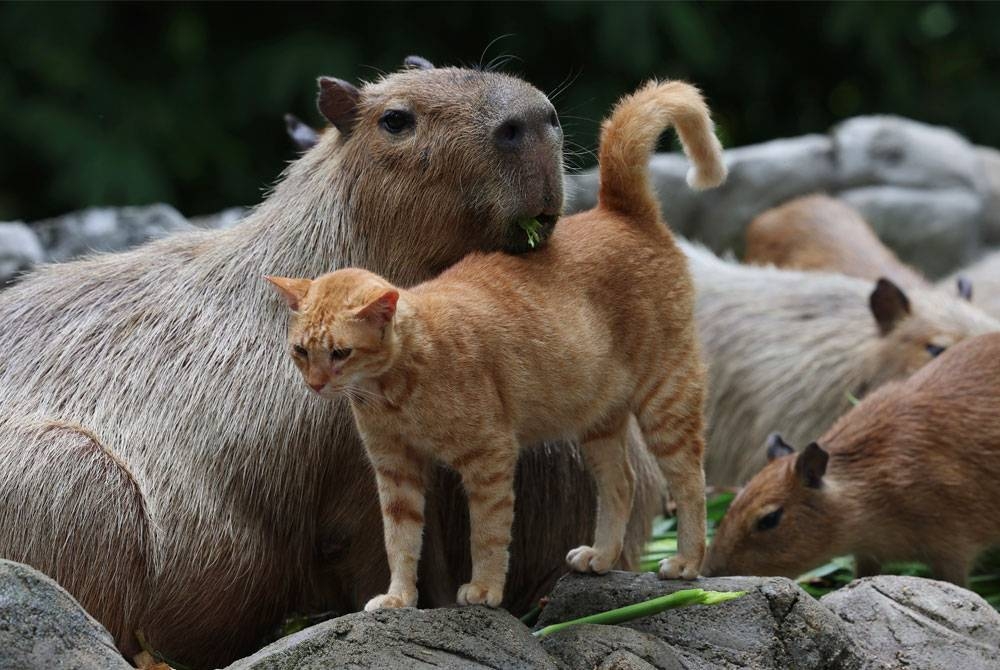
(163, 461)
(902, 477)
(785, 350)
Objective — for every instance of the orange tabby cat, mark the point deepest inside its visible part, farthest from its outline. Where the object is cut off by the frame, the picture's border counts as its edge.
(502, 351)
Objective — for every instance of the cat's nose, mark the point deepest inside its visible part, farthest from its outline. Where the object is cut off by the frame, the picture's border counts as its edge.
(317, 386)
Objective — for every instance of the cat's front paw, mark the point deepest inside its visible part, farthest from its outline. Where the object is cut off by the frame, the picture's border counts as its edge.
(480, 594)
(390, 601)
(679, 567)
(589, 559)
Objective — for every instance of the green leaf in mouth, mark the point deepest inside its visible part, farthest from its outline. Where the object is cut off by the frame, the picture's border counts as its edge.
(531, 227)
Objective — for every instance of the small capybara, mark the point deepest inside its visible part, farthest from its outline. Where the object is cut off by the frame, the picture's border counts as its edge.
(817, 232)
(982, 280)
(910, 474)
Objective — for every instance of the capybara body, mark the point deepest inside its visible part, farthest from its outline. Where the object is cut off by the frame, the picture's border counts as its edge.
(820, 233)
(158, 459)
(908, 475)
(787, 351)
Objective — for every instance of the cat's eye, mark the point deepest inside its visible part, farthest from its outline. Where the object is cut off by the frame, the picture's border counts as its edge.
(770, 520)
(935, 350)
(300, 351)
(396, 121)
(340, 354)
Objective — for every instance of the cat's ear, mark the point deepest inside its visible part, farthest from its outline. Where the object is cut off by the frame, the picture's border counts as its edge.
(380, 310)
(292, 290)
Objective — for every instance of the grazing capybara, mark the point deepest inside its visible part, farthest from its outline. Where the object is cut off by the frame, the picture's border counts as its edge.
(787, 351)
(910, 474)
(165, 466)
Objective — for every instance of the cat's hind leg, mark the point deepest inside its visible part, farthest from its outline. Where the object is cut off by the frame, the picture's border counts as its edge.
(671, 417)
(605, 451)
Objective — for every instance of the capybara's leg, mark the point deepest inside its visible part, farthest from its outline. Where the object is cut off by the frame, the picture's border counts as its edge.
(72, 509)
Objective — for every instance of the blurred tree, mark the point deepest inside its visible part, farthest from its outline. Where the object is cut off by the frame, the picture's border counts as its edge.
(133, 103)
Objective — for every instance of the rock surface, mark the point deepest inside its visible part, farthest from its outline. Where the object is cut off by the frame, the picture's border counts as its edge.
(471, 637)
(106, 229)
(42, 627)
(20, 250)
(776, 625)
(908, 622)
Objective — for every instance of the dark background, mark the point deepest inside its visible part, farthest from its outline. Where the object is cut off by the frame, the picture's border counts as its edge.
(105, 104)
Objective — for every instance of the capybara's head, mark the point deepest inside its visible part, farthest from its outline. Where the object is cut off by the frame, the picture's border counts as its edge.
(342, 329)
(782, 522)
(917, 327)
(445, 160)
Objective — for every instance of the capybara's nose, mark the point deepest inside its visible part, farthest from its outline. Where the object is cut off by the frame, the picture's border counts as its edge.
(517, 130)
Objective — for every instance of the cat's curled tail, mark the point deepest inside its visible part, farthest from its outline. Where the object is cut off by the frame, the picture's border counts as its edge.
(629, 136)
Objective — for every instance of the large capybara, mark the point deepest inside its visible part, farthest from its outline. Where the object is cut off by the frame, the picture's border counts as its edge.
(787, 351)
(910, 474)
(161, 462)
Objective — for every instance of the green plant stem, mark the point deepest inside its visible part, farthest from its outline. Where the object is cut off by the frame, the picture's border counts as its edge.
(647, 608)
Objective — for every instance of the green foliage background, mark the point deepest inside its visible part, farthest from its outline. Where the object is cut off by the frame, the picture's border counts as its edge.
(134, 103)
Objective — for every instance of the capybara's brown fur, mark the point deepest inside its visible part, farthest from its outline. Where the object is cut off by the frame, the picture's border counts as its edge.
(908, 475)
(817, 232)
(165, 466)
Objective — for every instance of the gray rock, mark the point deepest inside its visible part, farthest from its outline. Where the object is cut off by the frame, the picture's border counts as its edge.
(106, 229)
(989, 164)
(892, 150)
(776, 625)
(20, 250)
(595, 646)
(468, 637)
(909, 622)
(42, 627)
(935, 230)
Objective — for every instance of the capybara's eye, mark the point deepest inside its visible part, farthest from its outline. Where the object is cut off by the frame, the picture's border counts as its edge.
(300, 351)
(769, 521)
(340, 354)
(397, 120)
(934, 350)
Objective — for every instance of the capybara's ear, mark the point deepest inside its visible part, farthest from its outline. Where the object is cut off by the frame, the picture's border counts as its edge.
(338, 102)
(964, 288)
(415, 62)
(889, 305)
(292, 290)
(777, 447)
(811, 465)
(380, 310)
(303, 137)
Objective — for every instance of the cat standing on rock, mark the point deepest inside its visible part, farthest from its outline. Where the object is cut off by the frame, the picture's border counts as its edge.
(502, 351)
